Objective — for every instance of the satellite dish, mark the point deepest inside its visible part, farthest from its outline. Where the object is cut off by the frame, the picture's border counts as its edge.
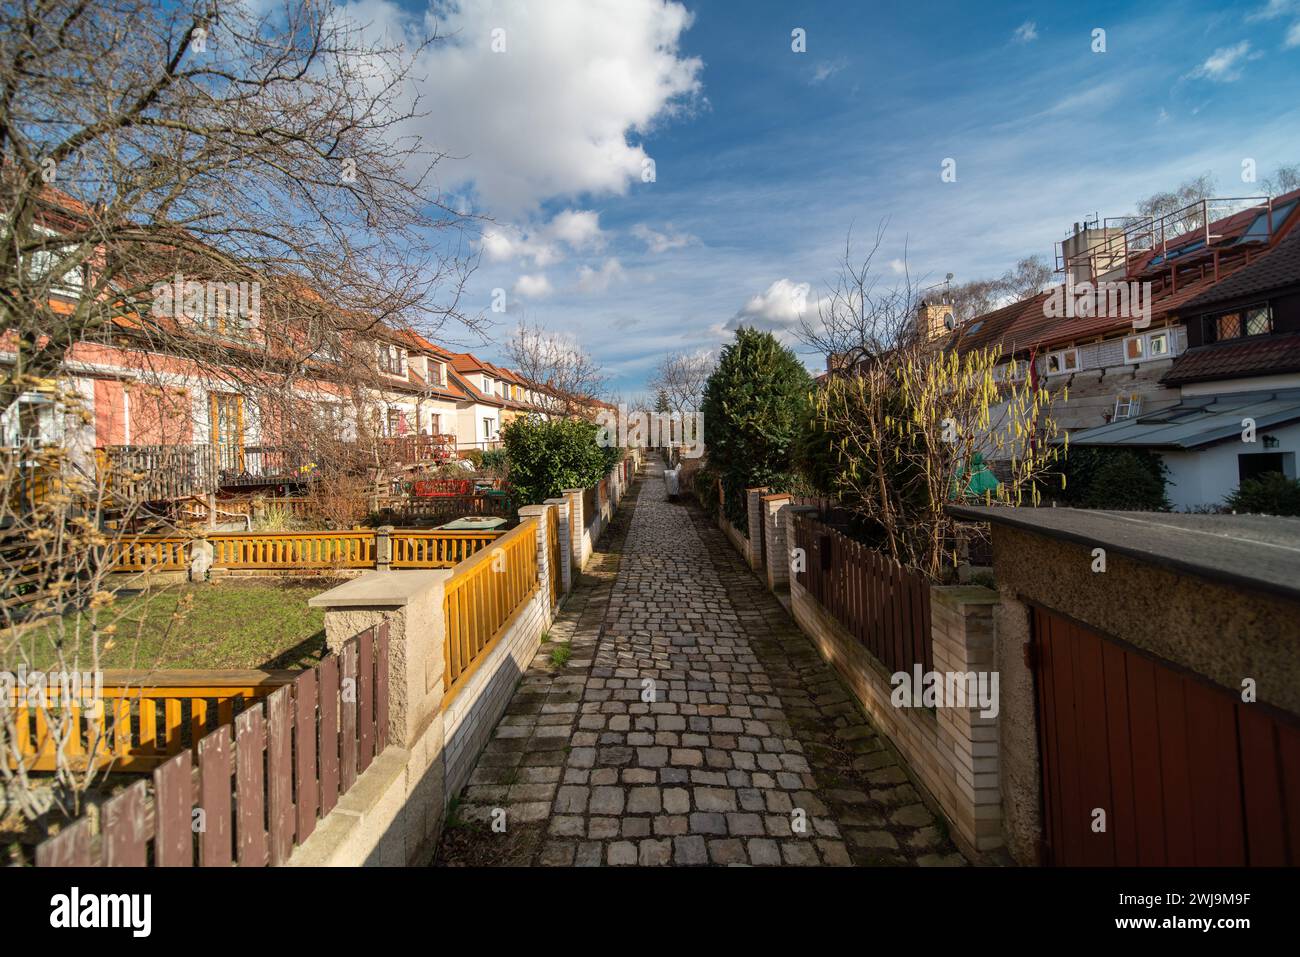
(949, 322)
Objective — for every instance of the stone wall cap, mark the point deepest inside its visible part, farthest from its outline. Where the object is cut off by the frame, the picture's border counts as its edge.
(775, 496)
(958, 595)
(381, 589)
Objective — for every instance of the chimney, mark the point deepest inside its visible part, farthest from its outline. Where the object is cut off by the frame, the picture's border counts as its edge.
(1093, 253)
(935, 319)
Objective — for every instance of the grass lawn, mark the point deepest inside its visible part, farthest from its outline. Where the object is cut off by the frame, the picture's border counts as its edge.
(245, 623)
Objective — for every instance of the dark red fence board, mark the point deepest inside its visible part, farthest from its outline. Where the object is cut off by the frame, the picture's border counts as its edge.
(348, 718)
(365, 699)
(250, 744)
(69, 848)
(216, 768)
(279, 772)
(306, 777)
(329, 734)
(173, 801)
(125, 837)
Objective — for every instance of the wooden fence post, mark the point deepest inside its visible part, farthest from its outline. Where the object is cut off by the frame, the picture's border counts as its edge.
(566, 543)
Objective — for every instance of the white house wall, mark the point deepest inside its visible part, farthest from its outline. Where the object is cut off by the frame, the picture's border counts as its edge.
(1205, 477)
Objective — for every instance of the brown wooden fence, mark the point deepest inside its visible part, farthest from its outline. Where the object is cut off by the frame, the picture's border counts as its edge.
(884, 605)
(262, 789)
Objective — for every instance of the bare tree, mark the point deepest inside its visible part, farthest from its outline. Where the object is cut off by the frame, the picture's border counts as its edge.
(1284, 179)
(568, 377)
(211, 195)
(861, 318)
(679, 381)
(1172, 206)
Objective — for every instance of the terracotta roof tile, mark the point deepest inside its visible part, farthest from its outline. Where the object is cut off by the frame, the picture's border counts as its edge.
(1239, 358)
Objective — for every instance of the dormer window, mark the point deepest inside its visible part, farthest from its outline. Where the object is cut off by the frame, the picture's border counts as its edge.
(1254, 320)
(437, 374)
(392, 359)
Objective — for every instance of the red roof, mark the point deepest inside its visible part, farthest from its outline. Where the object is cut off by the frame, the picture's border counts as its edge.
(1251, 356)
(1025, 325)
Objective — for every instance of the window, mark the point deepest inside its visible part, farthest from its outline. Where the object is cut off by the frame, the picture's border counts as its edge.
(1011, 371)
(1256, 464)
(1149, 345)
(1254, 320)
(437, 374)
(489, 428)
(1059, 363)
(392, 359)
(396, 423)
(1127, 406)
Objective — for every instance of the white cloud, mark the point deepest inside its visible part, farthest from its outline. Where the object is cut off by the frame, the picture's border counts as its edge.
(1293, 35)
(557, 112)
(533, 286)
(1027, 32)
(579, 228)
(824, 71)
(657, 242)
(1224, 64)
(778, 308)
(1272, 10)
(897, 266)
(598, 280)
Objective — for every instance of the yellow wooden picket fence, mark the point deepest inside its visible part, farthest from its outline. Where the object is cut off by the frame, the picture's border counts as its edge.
(140, 720)
(286, 551)
(481, 599)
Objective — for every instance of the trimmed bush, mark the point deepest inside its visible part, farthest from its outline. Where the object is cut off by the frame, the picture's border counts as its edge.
(548, 457)
(1270, 494)
(1112, 478)
(755, 405)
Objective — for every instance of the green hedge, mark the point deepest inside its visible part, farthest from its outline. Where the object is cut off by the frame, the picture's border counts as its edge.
(1270, 494)
(548, 457)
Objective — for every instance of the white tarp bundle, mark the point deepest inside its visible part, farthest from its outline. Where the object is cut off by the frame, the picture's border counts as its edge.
(670, 479)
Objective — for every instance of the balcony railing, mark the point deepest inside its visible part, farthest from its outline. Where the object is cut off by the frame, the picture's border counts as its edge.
(151, 473)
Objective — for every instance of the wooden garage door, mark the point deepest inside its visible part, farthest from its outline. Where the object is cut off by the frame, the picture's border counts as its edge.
(1186, 773)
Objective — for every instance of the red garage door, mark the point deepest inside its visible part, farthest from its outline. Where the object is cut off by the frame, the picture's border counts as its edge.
(1184, 771)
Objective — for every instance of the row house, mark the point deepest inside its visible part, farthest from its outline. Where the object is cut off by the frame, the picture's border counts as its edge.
(199, 400)
(1134, 333)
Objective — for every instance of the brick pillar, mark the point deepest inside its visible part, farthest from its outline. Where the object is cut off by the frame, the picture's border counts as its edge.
(754, 515)
(543, 553)
(777, 558)
(578, 554)
(790, 511)
(961, 628)
(566, 542)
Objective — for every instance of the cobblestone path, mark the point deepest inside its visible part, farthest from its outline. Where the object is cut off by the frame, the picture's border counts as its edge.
(692, 724)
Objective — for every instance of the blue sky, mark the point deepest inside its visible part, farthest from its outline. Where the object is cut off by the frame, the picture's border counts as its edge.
(764, 157)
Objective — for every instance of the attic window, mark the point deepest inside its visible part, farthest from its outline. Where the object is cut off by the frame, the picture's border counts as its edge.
(392, 359)
(1066, 360)
(1149, 345)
